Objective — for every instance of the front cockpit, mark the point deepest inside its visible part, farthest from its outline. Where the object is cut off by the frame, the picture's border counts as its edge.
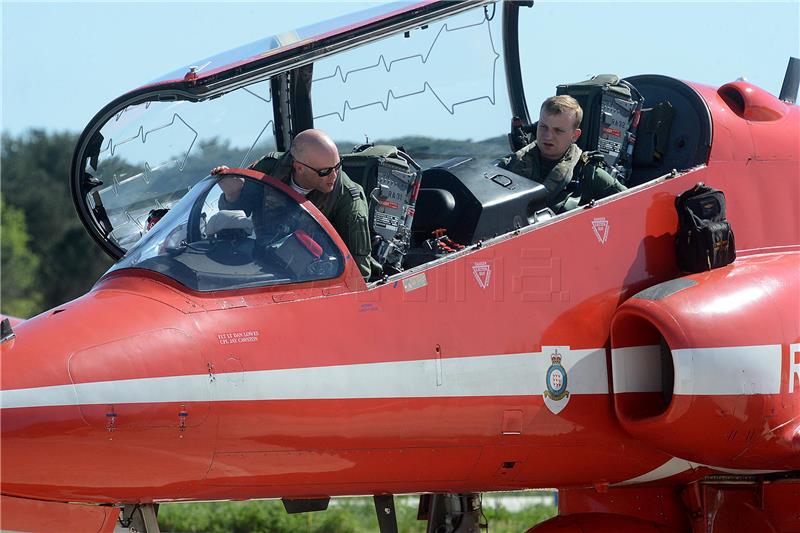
(270, 240)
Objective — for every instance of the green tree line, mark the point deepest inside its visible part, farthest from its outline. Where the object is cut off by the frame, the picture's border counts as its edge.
(47, 257)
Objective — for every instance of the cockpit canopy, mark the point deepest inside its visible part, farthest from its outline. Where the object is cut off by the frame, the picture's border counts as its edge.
(386, 73)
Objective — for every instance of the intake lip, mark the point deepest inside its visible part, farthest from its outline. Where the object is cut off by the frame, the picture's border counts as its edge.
(752, 103)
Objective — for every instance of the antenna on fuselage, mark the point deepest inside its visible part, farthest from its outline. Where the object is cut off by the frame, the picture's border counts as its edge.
(791, 81)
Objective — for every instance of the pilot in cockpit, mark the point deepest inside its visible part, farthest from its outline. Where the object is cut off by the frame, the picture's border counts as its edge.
(555, 161)
(312, 167)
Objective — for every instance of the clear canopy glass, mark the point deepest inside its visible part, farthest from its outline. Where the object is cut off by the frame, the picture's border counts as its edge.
(208, 243)
(153, 152)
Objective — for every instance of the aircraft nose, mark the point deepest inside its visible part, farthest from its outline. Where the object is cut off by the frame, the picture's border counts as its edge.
(74, 383)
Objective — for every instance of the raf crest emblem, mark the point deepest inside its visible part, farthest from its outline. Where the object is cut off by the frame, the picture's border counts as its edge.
(556, 396)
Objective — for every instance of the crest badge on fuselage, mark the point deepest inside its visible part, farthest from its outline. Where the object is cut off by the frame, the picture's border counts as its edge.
(483, 273)
(600, 226)
(556, 397)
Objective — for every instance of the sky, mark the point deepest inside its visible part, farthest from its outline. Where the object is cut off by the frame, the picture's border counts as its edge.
(62, 62)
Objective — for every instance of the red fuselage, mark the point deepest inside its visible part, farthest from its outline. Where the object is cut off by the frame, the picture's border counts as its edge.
(433, 382)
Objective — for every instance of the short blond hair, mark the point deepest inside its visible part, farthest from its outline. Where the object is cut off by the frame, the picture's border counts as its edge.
(555, 105)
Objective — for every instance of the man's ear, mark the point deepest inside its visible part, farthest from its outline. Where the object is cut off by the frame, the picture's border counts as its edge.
(576, 134)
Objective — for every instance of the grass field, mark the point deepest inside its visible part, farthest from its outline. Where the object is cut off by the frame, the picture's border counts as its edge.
(344, 515)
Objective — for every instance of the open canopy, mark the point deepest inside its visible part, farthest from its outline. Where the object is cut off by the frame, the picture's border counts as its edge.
(146, 149)
(271, 49)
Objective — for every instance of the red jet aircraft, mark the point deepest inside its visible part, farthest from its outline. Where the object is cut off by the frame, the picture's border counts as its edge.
(228, 357)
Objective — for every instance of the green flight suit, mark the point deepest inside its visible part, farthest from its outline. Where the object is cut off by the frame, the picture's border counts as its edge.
(345, 207)
(595, 184)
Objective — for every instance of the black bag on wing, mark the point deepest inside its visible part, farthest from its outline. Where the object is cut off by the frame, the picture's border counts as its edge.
(705, 238)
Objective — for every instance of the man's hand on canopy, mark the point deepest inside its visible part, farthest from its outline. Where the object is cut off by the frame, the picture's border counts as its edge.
(231, 187)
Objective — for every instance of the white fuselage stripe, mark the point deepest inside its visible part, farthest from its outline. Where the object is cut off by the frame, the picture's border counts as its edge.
(498, 375)
(738, 370)
(733, 370)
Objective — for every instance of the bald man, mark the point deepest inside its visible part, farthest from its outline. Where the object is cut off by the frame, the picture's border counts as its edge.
(312, 167)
